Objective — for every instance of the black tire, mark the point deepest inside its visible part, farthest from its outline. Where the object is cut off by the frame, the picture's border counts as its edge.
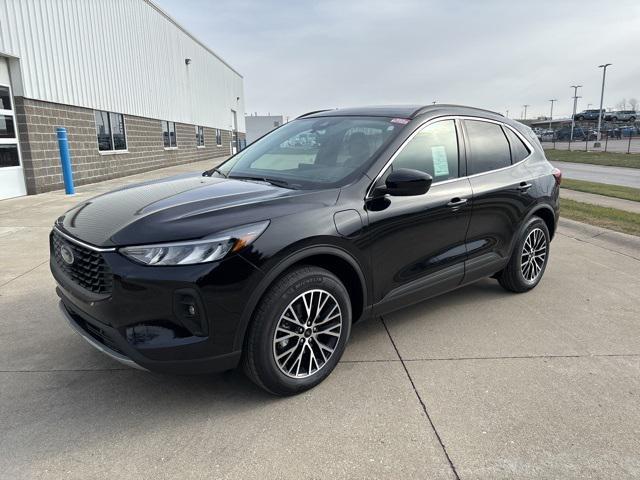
(632, 119)
(512, 277)
(579, 118)
(261, 345)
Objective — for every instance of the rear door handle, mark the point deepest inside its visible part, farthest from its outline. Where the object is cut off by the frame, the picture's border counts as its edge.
(457, 202)
(524, 186)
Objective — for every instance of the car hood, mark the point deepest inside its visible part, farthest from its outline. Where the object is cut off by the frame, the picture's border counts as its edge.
(182, 208)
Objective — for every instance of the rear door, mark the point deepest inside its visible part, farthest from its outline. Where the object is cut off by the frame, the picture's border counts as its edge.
(501, 185)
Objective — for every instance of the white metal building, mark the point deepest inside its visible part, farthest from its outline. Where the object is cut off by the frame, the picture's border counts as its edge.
(134, 89)
(259, 125)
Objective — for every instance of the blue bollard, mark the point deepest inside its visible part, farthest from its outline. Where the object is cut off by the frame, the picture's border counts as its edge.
(65, 161)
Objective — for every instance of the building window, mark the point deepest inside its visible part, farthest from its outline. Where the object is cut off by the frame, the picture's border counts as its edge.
(200, 136)
(218, 137)
(169, 134)
(110, 131)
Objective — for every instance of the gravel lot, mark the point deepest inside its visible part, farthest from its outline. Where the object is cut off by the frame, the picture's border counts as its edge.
(476, 384)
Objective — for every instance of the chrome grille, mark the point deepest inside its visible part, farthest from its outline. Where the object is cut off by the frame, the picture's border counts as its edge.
(88, 269)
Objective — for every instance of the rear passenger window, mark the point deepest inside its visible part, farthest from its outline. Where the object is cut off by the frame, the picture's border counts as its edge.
(488, 145)
(433, 150)
(519, 150)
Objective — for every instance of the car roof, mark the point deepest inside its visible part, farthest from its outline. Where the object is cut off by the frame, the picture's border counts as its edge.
(399, 111)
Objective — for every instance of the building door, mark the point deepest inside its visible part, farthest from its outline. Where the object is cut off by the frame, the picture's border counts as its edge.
(234, 132)
(11, 173)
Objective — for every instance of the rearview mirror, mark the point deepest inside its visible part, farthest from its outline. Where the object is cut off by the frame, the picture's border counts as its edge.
(406, 182)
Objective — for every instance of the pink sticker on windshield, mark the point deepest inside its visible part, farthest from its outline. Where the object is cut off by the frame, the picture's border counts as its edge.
(401, 121)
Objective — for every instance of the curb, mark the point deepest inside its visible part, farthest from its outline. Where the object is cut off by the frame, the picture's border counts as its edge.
(603, 237)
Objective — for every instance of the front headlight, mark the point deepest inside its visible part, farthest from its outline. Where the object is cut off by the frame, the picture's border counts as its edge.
(196, 251)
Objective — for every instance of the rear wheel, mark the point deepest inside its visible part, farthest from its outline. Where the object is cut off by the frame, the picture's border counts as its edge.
(299, 331)
(529, 258)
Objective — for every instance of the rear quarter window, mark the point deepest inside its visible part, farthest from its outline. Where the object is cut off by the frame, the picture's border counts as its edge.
(519, 150)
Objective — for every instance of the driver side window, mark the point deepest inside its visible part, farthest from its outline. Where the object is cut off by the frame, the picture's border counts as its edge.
(433, 150)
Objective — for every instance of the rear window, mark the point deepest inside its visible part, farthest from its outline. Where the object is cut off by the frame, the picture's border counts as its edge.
(489, 147)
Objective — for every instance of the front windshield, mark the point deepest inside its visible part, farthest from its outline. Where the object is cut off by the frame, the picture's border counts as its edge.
(313, 153)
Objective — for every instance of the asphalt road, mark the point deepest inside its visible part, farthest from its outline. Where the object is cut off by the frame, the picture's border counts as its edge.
(628, 177)
(476, 384)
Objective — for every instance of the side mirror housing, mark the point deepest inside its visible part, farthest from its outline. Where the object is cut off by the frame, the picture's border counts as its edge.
(405, 182)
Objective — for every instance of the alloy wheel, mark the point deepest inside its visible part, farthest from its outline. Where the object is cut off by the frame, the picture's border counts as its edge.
(534, 253)
(307, 333)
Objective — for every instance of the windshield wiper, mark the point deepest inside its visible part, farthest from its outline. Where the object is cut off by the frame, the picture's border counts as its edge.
(273, 181)
(208, 173)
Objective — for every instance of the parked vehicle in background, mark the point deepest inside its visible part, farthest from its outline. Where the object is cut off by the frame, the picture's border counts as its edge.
(546, 136)
(267, 260)
(622, 116)
(589, 115)
(629, 131)
(564, 134)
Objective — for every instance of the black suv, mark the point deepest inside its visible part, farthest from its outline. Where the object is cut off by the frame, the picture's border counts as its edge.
(337, 216)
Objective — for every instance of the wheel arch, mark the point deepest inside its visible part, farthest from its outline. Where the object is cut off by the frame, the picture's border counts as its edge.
(547, 214)
(332, 258)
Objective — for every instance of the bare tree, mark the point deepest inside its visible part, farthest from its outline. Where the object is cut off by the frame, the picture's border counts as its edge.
(622, 104)
(633, 103)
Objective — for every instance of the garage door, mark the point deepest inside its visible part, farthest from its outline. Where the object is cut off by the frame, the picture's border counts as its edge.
(11, 174)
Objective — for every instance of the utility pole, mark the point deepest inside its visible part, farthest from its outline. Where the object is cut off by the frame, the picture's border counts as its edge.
(604, 74)
(575, 103)
(507, 113)
(551, 114)
(525, 112)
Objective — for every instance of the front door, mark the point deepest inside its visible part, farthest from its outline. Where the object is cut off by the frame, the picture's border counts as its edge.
(11, 173)
(417, 244)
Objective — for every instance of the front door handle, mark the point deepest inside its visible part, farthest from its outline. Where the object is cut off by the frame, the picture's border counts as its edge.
(524, 186)
(457, 202)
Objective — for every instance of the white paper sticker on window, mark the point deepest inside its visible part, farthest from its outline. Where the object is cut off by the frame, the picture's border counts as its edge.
(440, 163)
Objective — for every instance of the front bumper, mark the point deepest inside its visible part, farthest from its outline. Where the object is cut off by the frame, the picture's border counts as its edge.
(139, 323)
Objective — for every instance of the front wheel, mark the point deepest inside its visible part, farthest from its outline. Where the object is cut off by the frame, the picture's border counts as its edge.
(529, 258)
(299, 331)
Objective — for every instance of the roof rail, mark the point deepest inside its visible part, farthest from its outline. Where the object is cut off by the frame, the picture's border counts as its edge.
(315, 111)
(434, 106)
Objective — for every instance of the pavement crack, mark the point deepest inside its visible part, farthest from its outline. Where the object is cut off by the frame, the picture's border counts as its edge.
(519, 357)
(23, 273)
(424, 406)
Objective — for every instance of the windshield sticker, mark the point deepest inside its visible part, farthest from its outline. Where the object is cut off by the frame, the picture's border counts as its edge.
(440, 163)
(401, 121)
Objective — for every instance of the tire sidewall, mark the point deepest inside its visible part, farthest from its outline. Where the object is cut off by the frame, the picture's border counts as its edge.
(265, 361)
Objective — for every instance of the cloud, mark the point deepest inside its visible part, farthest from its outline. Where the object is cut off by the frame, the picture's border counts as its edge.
(303, 55)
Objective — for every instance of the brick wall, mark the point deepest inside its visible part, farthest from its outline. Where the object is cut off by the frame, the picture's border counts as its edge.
(37, 122)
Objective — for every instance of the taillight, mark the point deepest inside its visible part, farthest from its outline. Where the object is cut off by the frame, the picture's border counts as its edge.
(557, 174)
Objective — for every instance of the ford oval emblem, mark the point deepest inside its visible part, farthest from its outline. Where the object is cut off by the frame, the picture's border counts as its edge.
(67, 254)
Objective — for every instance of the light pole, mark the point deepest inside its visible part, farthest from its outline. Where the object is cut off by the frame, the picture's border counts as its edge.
(604, 74)
(551, 114)
(525, 111)
(575, 103)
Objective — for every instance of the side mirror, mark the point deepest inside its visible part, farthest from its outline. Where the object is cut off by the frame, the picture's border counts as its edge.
(405, 182)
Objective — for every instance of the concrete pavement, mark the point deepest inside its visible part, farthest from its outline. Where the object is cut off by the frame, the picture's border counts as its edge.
(602, 200)
(476, 384)
(627, 177)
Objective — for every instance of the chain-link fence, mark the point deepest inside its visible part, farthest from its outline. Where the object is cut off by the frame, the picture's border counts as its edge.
(614, 138)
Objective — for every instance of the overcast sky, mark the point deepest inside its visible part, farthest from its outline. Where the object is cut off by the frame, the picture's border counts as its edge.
(302, 55)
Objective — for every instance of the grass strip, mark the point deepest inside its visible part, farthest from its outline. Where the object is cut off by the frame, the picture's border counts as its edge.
(611, 218)
(631, 160)
(616, 191)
